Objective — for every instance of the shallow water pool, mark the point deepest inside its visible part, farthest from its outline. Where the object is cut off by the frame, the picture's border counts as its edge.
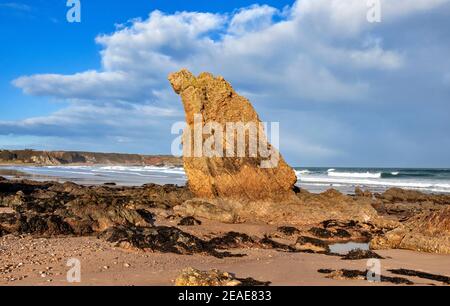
(345, 248)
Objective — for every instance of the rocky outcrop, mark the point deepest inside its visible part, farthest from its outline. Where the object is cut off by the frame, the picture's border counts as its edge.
(227, 177)
(398, 195)
(121, 215)
(427, 232)
(403, 204)
(305, 209)
(52, 209)
(239, 189)
(363, 193)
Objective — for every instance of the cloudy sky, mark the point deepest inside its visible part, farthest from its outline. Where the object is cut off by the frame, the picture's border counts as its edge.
(345, 91)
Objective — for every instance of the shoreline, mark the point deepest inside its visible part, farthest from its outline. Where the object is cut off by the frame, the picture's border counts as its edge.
(138, 175)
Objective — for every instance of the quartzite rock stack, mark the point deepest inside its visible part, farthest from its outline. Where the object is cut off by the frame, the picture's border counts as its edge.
(237, 178)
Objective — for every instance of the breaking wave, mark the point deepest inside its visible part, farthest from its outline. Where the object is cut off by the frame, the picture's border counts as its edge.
(354, 174)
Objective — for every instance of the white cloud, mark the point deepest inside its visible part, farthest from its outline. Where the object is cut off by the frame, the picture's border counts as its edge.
(346, 18)
(255, 52)
(252, 19)
(85, 85)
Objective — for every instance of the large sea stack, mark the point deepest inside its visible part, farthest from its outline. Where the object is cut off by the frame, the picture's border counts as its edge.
(213, 100)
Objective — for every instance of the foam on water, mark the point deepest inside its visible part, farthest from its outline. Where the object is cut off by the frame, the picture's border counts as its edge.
(122, 175)
(426, 180)
(354, 174)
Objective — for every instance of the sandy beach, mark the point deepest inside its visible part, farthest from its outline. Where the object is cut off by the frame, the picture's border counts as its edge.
(40, 261)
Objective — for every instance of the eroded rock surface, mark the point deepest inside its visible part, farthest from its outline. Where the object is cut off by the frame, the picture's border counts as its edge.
(193, 277)
(305, 209)
(403, 204)
(427, 232)
(229, 177)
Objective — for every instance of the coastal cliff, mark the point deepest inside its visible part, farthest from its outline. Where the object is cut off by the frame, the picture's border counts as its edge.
(55, 158)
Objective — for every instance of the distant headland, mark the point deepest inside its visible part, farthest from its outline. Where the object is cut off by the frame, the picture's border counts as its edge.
(55, 158)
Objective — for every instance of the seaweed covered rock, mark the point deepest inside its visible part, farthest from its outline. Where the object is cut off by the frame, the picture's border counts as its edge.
(288, 230)
(312, 245)
(336, 230)
(51, 208)
(233, 240)
(106, 213)
(43, 225)
(361, 254)
(213, 100)
(161, 239)
(189, 221)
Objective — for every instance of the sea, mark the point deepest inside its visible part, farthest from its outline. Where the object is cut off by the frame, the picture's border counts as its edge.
(313, 179)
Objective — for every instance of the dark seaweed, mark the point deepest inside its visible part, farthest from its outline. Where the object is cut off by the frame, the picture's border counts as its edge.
(424, 275)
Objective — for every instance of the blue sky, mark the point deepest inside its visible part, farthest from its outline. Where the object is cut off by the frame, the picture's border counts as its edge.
(345, 91)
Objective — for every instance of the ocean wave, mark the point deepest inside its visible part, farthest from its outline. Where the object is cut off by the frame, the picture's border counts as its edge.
(354, 174)
(60, 170)
(432, 186)
(167, 170)
(302, 172)
(408, 175)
